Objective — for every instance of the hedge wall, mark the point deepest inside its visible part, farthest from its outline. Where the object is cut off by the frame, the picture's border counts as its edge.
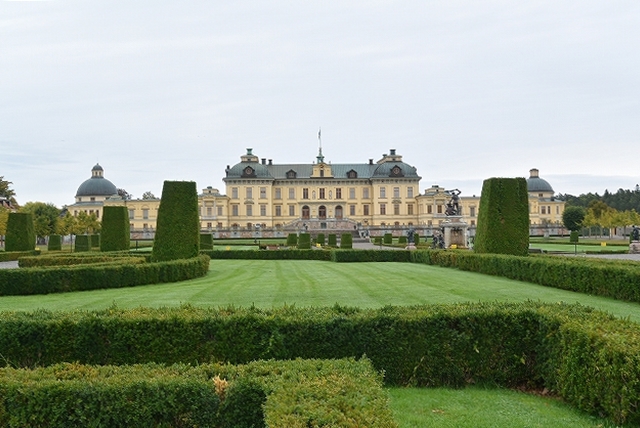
(206, 241)
(21, 233)
(503, 217)
(115, 232)
(292, 240)
(387, 239)
(178, 225)
(128, 273)
(346, 241)
(343, 393)
(94, 240)
(55, 243)
(282, 254)
(332, 240)
(83, 243)
(589, 358)
(67, 259)
(6, 256)
(344, 256)
(304, 241)
(320, 239)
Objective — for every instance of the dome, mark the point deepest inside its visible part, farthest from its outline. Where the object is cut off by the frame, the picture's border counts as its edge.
(97, 185)
(537, 184)
(249, 170)
(394, 169)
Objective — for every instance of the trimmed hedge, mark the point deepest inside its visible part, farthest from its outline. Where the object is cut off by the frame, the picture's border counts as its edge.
(346, 241)
(115, 232)
(206, 241)
(351, 256)
(320, 239)
(282, 254)
(387, 239)
(304, 241)
(292, 240)
(67, 259)
(178, 226)
(82, 244)
(343, 393)
(402, 239)
(21, 233)
(503, 217)
(55, 243)
(573, 237)
(94, 239)
(45, 280)
(377, 240)
(332, 240)
(587, 357)
(7, 256)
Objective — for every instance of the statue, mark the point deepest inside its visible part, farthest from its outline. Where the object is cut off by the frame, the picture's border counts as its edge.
(453, 206)
(410, 234)
(635, 233)
(438, 241)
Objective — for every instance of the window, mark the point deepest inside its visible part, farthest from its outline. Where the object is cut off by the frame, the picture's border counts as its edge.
(209, 211)
(131, 213)
(209, 225)
(409, 192)
(322, 173)
(543, 210)
(278, 211)
(278, 193)
(365, 193)
(439, 209)
(383, 209)
(219, 225)
(352, 174)
(557, 209)
(220, 211)
(472, 211)
(249, 209)
(409, 209)
(429, 209)
(338, 193)
(292, 210)
(365, 209)
(383, 192)
(263, 210)
(305, 211)
(352, 210)
(322, 193)
(352, 192)
(305, 193)
(263, 193)
(145, 213)
(396, 209)
(291, 174)
(396, 192)
(234, 210)
(292, 192)
(249, 192)
(93, 199)
(234, 193)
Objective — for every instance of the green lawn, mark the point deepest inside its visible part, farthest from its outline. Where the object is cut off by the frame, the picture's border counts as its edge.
(315, 283)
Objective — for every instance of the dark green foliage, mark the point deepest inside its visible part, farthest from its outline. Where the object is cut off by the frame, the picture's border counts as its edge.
(589, 358)
(282, 254)
(332, 240)
(55, 243)
(320, 239)
(346, 241)
(21, 234)
(83, 243)
(68, 259)
(416, 238)
(573, 237)
(503, 217)
(178, 225)
(572, 218)
(115, 232)
(127, 272)
(242, 408)
(292, 240)
(206, 241)
(387, 239)
(6, 256)
(402, 239)
(94, 239)
(377, 240)
(350, 256)
(304, 241)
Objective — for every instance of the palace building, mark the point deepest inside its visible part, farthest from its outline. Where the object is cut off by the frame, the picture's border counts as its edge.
(371, 197)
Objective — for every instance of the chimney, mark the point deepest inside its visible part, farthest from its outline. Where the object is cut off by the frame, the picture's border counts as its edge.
(270, 161)
(249, 150)
(534, 173)
(264, 161)
(370, 161)
(392, 152)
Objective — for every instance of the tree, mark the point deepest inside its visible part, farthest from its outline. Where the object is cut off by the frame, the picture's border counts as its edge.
(124, 194)
(67, 224)
(572, 218)
(86, 223)
(4, 216)
(7, 192)
(45, 218)
(148, 195)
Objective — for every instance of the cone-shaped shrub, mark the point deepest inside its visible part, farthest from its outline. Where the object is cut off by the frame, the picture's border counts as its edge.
(416, 238)
(206, 241)
(55, 243)
(346, 240)
(332, 240)
(573, 237)
(304, 241)
(115, 229)
(178, 226)
(83, 243)
(21, 232)
(503, 217)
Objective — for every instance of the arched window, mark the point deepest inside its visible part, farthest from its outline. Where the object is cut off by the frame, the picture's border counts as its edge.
(322, 212)
(305, 212)
(339, 212)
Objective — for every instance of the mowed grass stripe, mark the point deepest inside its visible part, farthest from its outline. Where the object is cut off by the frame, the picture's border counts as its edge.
(266, 283)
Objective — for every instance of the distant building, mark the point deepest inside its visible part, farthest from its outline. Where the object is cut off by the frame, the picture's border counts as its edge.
(318, 196)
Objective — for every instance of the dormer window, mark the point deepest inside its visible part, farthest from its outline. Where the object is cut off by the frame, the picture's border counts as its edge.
(291, 174)
(396, 171)
(248, 172)
(352, 174)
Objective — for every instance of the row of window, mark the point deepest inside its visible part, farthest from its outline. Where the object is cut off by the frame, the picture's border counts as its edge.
(323, 193)
(278, 212)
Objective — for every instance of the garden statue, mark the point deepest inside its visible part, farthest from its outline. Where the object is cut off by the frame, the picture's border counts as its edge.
(438, 241)
(453, 206)
(410, 234)
(635, 234)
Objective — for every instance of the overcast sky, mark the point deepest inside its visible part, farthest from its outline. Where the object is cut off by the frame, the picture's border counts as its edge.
(464, 90)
